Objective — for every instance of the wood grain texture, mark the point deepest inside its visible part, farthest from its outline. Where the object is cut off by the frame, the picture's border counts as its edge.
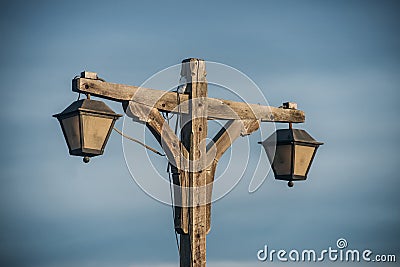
(167, 101)
(162, 132)
(232, 130)
(182, 212)
(197, 91)
(210, 172)
(177, 155)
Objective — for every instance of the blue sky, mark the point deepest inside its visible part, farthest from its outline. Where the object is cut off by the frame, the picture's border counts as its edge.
(339, 60)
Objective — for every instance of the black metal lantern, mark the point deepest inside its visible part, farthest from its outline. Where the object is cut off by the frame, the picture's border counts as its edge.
(291, 152)
(86, 125)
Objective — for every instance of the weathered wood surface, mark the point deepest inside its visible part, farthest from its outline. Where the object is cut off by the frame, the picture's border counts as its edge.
(198, 224)
(162, 131)
(194, 71)
(177, 155)
(210, 172)
(220, 143)
(168, 101)
(228, 134)
(182, 212)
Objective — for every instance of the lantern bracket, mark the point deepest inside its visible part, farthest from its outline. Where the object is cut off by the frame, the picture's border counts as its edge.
(289, 105)
(89, 75)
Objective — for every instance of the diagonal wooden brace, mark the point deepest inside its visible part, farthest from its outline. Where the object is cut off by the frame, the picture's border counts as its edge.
(221, 142)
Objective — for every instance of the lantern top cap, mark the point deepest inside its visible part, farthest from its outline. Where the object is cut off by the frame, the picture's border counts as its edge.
(289, 136)
(90, 106)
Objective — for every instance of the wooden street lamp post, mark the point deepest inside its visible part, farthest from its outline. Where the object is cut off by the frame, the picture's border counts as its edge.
(193, 163)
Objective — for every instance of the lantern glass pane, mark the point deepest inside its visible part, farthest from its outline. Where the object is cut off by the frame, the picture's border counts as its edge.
(72, 133)
(283, 159)
(95, 131)
(270, 150)
(302, 157)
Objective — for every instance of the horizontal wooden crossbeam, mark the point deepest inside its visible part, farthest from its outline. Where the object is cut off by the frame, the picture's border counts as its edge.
(169, 101)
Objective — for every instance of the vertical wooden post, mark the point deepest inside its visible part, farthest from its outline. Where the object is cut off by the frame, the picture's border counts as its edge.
(194, 134)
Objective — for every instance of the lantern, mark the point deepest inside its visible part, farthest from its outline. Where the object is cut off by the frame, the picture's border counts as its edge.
(290, 152)
(86, 125)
